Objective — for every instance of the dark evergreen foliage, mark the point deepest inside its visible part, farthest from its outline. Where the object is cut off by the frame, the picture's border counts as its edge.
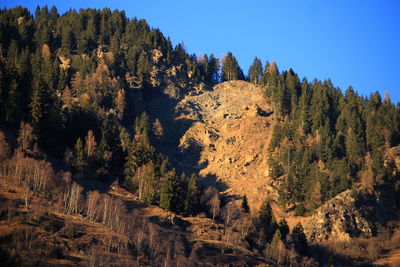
(70, 73)
(245, 205)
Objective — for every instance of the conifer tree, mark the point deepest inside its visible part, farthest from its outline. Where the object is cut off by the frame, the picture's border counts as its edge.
(284, 229)
(213, 70)
(170, 191)
(255, 71)
(267, 219)
(276, 246)
(193, 195)
(148, 182)
(79, 161)
(305, 102)
(230, 68)
(299, 239)
(245, 205)
(139, 153)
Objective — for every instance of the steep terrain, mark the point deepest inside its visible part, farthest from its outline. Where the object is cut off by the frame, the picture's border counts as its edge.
(64, 239)
(222, 134)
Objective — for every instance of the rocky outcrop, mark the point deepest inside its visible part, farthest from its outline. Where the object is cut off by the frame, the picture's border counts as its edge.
(65, 62)
(340, 218)
(225, 139)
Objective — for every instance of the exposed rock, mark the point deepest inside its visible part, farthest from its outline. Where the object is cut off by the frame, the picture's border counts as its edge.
(223, 136)
(340, 219)
(101, 50)
(65, 62)
(156, 55)
(173, 71)
(252, 110)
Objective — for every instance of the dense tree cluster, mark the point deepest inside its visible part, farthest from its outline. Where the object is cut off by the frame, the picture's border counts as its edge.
(67, 87)
(231, 69)
(326, 140)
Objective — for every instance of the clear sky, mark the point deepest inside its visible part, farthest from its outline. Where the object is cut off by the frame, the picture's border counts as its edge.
(352, 42)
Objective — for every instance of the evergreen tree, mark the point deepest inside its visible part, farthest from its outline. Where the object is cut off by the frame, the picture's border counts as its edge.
(305, 102)
(374, 136)
(283, 228)
(299, 239)
(255, 71)
(351, 123)
(213, 70)
(267, 219)
(270, 80)
(148, 182)
(193, 196)
(79, 161)
(139, 153)
(230, 68)
(275, 248)
(245, 205)
(170, 193)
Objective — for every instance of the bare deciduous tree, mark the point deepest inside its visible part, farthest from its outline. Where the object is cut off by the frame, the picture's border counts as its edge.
(211, 199)
(27, 195)
(231, 213)
(92, 205)
(72, 198)
(154, 241)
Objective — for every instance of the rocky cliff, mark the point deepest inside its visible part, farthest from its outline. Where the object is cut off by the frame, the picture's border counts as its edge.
(352, 213)
(220, 133)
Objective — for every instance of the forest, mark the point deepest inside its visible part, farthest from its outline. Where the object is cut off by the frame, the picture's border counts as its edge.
(70, 118)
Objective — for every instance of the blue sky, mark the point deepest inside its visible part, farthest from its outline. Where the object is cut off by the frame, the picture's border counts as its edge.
(351, 42)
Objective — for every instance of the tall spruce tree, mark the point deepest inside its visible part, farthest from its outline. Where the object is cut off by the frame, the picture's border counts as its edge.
(193, 196)
(230, 68)
(267, 219)
(255, 71)
(170, 193)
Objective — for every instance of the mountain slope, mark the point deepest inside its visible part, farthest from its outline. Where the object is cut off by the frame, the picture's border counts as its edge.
(222, 134)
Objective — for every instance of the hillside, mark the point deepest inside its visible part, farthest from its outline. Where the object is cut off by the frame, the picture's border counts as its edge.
(118, 148)
(221, 133)
(64, 239)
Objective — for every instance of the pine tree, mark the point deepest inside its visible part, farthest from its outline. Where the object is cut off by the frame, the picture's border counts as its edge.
(143, 68)
(213, 70)
(148, 178)
(267, 219)
(193, 195)
(67, 40)
(170, 193)
(139, 154)
(230, 68)
(283, 228)
(305, 102)
(276, 246)
(12, 103)
(351, 123)
(36, 105)
(270, 80)
(373, 131)
(79, 161)
(245, 205)
(299, 239)
(256, 71)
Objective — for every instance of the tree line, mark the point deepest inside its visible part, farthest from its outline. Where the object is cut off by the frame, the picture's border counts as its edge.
(327, 140)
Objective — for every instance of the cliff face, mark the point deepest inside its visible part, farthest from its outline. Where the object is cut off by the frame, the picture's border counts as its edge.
(338, 219)
(221, 133)
(352, 213)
